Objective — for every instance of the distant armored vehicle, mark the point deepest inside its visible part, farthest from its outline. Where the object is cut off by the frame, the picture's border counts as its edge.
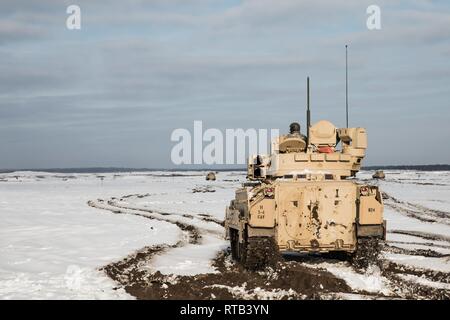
(299, 199)
(379, 174)
(211, 176)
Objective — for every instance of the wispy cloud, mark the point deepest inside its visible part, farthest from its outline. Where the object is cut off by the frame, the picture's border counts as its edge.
(138, 69)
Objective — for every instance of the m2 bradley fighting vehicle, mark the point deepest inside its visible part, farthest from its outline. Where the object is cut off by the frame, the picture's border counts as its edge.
(299, 199)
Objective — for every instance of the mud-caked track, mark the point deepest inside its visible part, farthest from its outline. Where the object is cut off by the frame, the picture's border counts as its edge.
(368, 253)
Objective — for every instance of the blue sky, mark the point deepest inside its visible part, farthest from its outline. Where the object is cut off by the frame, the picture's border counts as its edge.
(111, 93)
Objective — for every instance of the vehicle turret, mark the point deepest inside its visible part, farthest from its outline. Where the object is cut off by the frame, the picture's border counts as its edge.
(332, 152)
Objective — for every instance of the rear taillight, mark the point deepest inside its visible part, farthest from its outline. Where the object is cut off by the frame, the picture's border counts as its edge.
(268, 192)
(364, 191)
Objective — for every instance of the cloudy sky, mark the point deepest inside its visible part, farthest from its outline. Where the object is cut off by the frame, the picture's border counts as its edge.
(111, 93)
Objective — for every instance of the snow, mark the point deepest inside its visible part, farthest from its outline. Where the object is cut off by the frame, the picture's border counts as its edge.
(370, 281)
(242, 292)
(394, 238)
(415, 246)
(399, 221)
(190, 259)
(425, 282)
(421, 192)
(430, 189)
(430, 263)
(52, 244)
(76, 283)
(353, 296)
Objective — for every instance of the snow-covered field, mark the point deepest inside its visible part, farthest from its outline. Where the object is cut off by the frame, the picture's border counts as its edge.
(418, 215)
(58, 230)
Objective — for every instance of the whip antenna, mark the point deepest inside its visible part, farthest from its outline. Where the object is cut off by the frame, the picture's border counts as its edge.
(346, 85)
(308, 113)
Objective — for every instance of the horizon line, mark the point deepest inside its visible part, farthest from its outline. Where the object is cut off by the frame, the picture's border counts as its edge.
(124, 169)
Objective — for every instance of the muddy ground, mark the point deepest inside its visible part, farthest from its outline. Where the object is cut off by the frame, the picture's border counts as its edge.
(290, 279)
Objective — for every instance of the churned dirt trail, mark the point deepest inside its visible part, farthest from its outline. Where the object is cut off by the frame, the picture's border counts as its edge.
(230, 281)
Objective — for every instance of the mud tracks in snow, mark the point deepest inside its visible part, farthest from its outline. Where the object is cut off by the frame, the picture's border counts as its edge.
(289, 280)
(417, 211)
(191, 231)
(297, 278)
(415, 252)
(423, 235)
(430, 245)
(188, 223)
(412, 282)
(415, 283)
(230, 281)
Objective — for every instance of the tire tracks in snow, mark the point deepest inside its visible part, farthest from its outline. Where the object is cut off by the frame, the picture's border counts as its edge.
(423, 235)
(134, 270)
(193, 233)
(134, 273)
(416, 211)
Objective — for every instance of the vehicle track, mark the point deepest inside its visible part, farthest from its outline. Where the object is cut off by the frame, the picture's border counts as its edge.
(428, 244)
(417, 211)
(414, 252)
(409, 289)
(121, 203)
(193, 233)
(423, 235)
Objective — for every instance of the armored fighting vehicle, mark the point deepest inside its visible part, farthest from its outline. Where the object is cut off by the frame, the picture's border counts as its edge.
(302, 198)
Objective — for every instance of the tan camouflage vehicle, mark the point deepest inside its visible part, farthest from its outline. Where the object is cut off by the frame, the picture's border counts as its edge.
(299, 199)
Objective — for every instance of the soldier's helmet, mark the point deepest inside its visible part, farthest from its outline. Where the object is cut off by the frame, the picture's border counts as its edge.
(294, 127)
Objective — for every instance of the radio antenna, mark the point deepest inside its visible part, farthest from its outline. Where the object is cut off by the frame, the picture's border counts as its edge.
(346, 85)
(308, 113)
